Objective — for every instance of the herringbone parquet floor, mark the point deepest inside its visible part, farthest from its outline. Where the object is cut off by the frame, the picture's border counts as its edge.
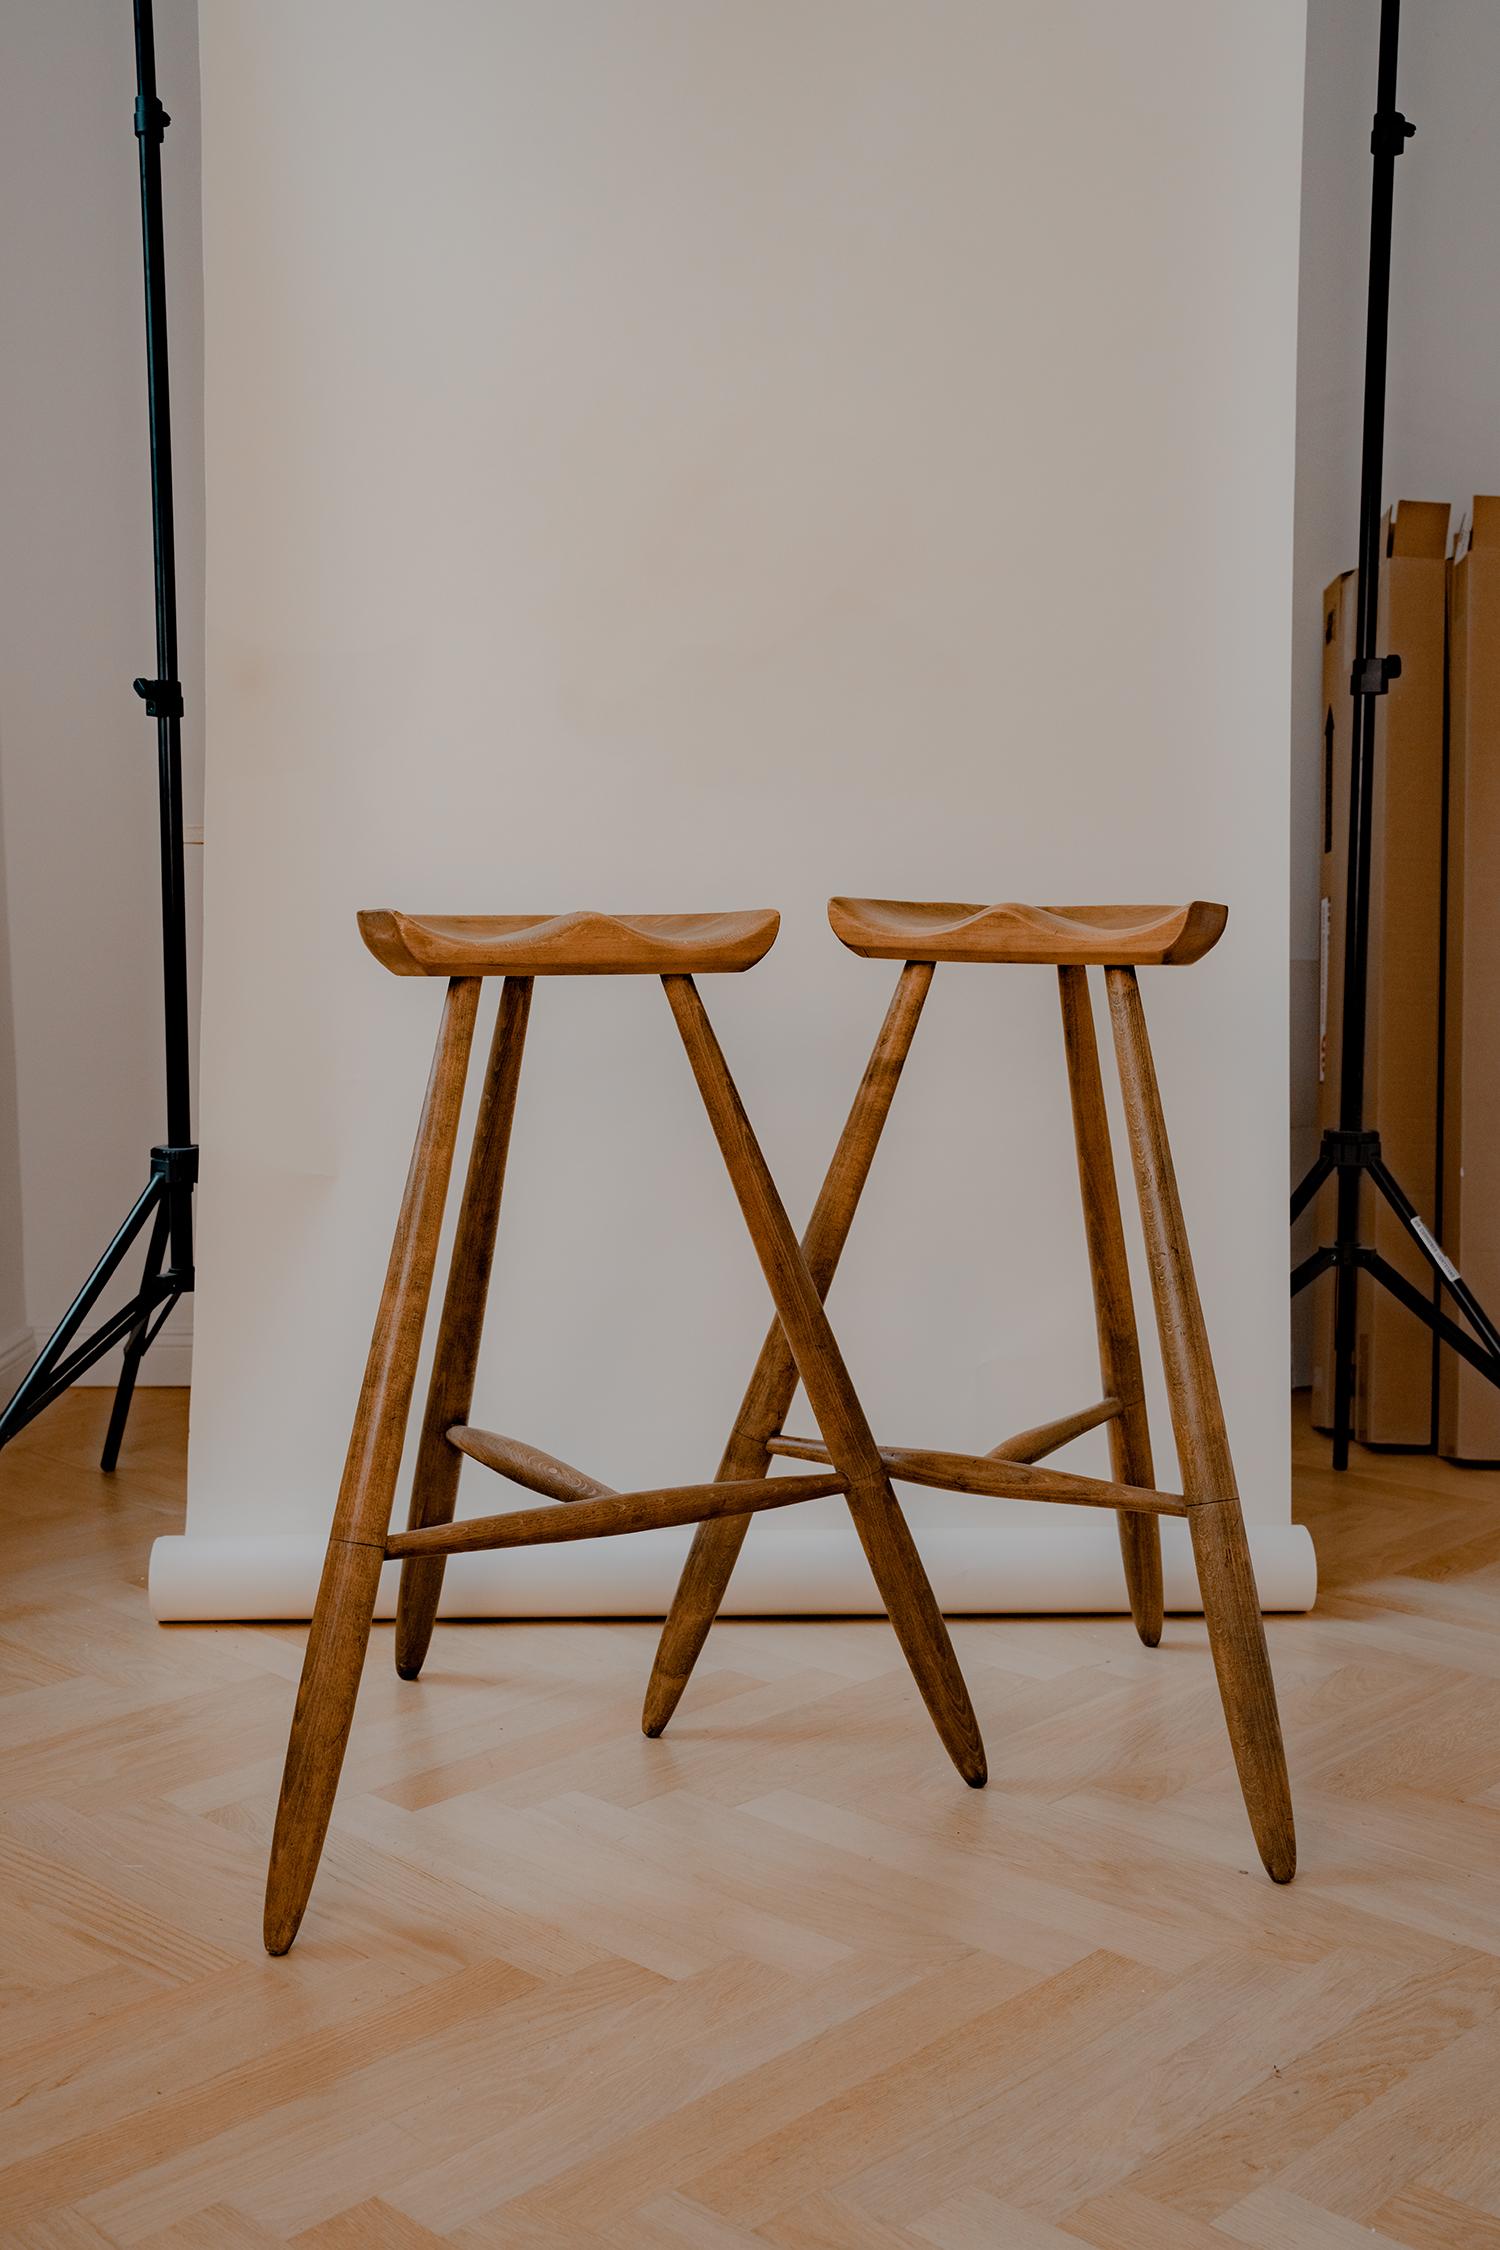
(778, 1979)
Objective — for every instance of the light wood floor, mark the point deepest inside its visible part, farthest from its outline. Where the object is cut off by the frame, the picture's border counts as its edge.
(778, 1979)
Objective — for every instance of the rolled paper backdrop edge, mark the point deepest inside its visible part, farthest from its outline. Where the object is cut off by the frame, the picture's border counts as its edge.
(1062, 1567)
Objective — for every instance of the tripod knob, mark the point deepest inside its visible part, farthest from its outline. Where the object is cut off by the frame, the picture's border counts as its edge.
(1390, 132)
(163, 698)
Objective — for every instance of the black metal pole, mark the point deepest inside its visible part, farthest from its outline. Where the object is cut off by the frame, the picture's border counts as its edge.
(174, 1164)
(1370, 674)
(1350, 1151)
(164, 693)
(1370, 678)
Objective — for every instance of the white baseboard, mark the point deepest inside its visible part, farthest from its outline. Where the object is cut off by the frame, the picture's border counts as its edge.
(17, 1351)
(169, 1363)
(167, 1366)
(1068, 1565)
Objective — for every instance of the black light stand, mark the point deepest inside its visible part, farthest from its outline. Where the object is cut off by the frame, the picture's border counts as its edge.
(167, 1198)
(1351, 1149)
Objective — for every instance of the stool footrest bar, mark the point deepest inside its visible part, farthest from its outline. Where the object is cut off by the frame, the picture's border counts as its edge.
(1050, 1437)
(620, 1512)
(528, 1465)
(990, 1479)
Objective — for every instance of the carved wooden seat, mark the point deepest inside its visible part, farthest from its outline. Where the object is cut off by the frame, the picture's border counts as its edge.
(466, 949)
(1071, 938)
(893, 929)
(581, 944)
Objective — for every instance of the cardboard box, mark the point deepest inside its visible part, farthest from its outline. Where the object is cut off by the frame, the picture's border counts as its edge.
(1397, 1364)
(1469, 1407)
(1394, 1365)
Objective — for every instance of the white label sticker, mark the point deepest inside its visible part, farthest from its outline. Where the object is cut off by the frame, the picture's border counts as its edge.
(1435, 1251)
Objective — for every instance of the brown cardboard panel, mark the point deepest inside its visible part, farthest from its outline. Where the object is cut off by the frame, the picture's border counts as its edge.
(1484, 521)
(1469, 1407)
(1395, 1394)
(1419, 528)
(1394, 1365)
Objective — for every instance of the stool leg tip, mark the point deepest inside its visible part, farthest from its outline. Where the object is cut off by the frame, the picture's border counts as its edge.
(278, 1932)
(662, 1697)
(409, 1671)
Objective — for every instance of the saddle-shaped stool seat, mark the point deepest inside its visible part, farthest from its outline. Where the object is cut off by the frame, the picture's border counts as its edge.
(1071, 939)
(465, 949)
(581, 944)
(892, 929)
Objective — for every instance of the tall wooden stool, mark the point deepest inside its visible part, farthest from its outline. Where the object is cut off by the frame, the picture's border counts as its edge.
(1118, 939)
(465, 949)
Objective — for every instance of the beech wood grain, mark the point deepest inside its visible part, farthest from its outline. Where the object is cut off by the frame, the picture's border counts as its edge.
(1114, 1304)
(996, 1477)
(807, 1993)
(611, 1518)
(773, 1383)
(528, 1465)
(345, 1605)
(1050, 1437)
(882, 1529)
(584, 943)
(892, 929)
(1231, 1607)
(450, 1388)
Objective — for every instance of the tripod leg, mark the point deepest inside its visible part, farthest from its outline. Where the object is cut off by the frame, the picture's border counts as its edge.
(1114, 1307)
(1345, 1316)
(1312, 1180)
(1231, 1607)
(450, 1392)
(889, 1548)
(135, 1348)
(356, 1546)
(1311, 1267)
(1432, 1250)
(1421, 1308)
(716, 1546)
(34, 1383)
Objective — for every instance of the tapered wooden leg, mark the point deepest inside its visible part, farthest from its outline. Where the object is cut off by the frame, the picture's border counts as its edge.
(695, 1604)
(883, 1533)
(1231, 1606)
(351, 1571)
(1114, 1306)
(450, 1391)
(763, 1410)
(326, 1694)
(1237, 1636)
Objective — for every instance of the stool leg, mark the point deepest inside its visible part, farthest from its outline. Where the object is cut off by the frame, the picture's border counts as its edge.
(889, 1548)
(450, 1392)
(1231, 1606)
(764, 1409)
(1114, 1306)
(356, 1546)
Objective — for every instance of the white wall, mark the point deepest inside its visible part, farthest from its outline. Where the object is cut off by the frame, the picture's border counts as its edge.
(77, 753)
(15, 1332)
(664, 456)
(1443, 418)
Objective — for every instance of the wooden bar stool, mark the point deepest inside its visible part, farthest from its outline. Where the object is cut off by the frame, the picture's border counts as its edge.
(466, 949)
(1119, 939)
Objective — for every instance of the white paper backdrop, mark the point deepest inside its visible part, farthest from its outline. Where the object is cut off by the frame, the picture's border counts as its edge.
(664, 456)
